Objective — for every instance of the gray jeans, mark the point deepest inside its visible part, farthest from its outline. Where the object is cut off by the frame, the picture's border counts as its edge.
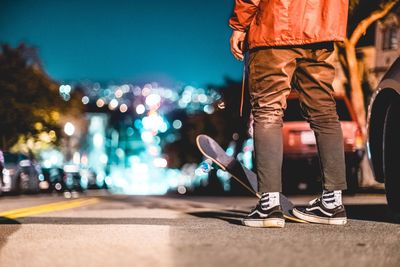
(272, 72)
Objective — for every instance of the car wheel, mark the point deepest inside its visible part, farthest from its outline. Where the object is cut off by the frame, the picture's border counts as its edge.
(391, 143)
(23, 186)
(17, 186)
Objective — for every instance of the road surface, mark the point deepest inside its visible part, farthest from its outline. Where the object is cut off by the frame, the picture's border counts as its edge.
(98, 229)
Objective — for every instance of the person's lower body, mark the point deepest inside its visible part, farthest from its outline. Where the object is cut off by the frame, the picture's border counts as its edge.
(272, 72)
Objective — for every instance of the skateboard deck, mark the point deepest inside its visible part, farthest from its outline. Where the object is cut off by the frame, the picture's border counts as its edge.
(247, 178)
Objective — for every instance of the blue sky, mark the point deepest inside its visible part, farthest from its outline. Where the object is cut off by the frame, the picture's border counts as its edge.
(122, 40)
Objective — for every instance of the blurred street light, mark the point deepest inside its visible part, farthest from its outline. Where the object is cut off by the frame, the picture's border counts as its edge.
(69, 130)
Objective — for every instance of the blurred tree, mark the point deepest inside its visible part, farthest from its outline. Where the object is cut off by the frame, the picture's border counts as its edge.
(371, 12)
(30, 104)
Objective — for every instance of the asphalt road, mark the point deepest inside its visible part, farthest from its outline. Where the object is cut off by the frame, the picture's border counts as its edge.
(105, 230)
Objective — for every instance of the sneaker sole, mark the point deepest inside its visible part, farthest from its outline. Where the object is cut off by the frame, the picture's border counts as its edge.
(265, 223)
(320, 220)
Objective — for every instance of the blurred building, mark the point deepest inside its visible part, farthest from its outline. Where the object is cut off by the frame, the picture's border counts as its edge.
(376, 59)
(387, 35)
(374, 56)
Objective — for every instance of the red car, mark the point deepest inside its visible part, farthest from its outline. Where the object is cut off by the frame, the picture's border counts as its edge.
(300, 150)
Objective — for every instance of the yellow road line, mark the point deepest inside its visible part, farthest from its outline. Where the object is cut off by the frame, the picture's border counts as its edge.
(62, 205)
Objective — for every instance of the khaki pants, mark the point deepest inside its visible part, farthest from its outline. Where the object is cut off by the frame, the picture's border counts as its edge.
(272, 73)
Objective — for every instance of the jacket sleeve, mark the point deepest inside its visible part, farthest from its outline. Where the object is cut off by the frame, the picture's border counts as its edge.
(243, 14)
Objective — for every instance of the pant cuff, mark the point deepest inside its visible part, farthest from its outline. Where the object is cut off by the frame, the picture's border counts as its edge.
(335, 187)
(271, 189)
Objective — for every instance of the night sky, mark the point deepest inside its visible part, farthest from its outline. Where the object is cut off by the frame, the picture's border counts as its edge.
(168, 41)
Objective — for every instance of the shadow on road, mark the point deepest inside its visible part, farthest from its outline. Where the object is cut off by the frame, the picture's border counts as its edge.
(226, 216)
(5, 220)
(7, 228)
(230, 216)
(233, 217)
(93, 221)
(375, 213)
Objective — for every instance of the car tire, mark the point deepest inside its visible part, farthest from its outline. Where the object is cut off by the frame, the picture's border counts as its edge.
(17, 186)
(391, 143)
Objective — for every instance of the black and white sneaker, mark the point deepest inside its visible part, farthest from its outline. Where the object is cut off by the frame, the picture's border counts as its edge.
(259, 217)
(316, 212)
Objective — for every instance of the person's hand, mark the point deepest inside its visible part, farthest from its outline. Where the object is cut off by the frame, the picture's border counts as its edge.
(237, 42)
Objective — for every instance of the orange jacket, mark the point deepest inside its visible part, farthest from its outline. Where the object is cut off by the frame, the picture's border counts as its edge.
(290, 22)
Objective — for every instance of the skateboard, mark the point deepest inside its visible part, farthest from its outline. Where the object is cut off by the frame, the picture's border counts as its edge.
(245, 177)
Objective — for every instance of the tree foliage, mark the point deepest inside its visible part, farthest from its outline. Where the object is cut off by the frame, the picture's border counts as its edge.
(362, 14)
(29, 99)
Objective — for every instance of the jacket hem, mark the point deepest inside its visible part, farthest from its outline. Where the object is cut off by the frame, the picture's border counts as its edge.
(293, 42)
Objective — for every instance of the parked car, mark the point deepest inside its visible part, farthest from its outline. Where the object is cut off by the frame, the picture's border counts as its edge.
(384, 135)
(20, 174)
(55, 178)
(9, 172)
(89, 178)
(300, 148)
(72, 178)
(29, 177)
